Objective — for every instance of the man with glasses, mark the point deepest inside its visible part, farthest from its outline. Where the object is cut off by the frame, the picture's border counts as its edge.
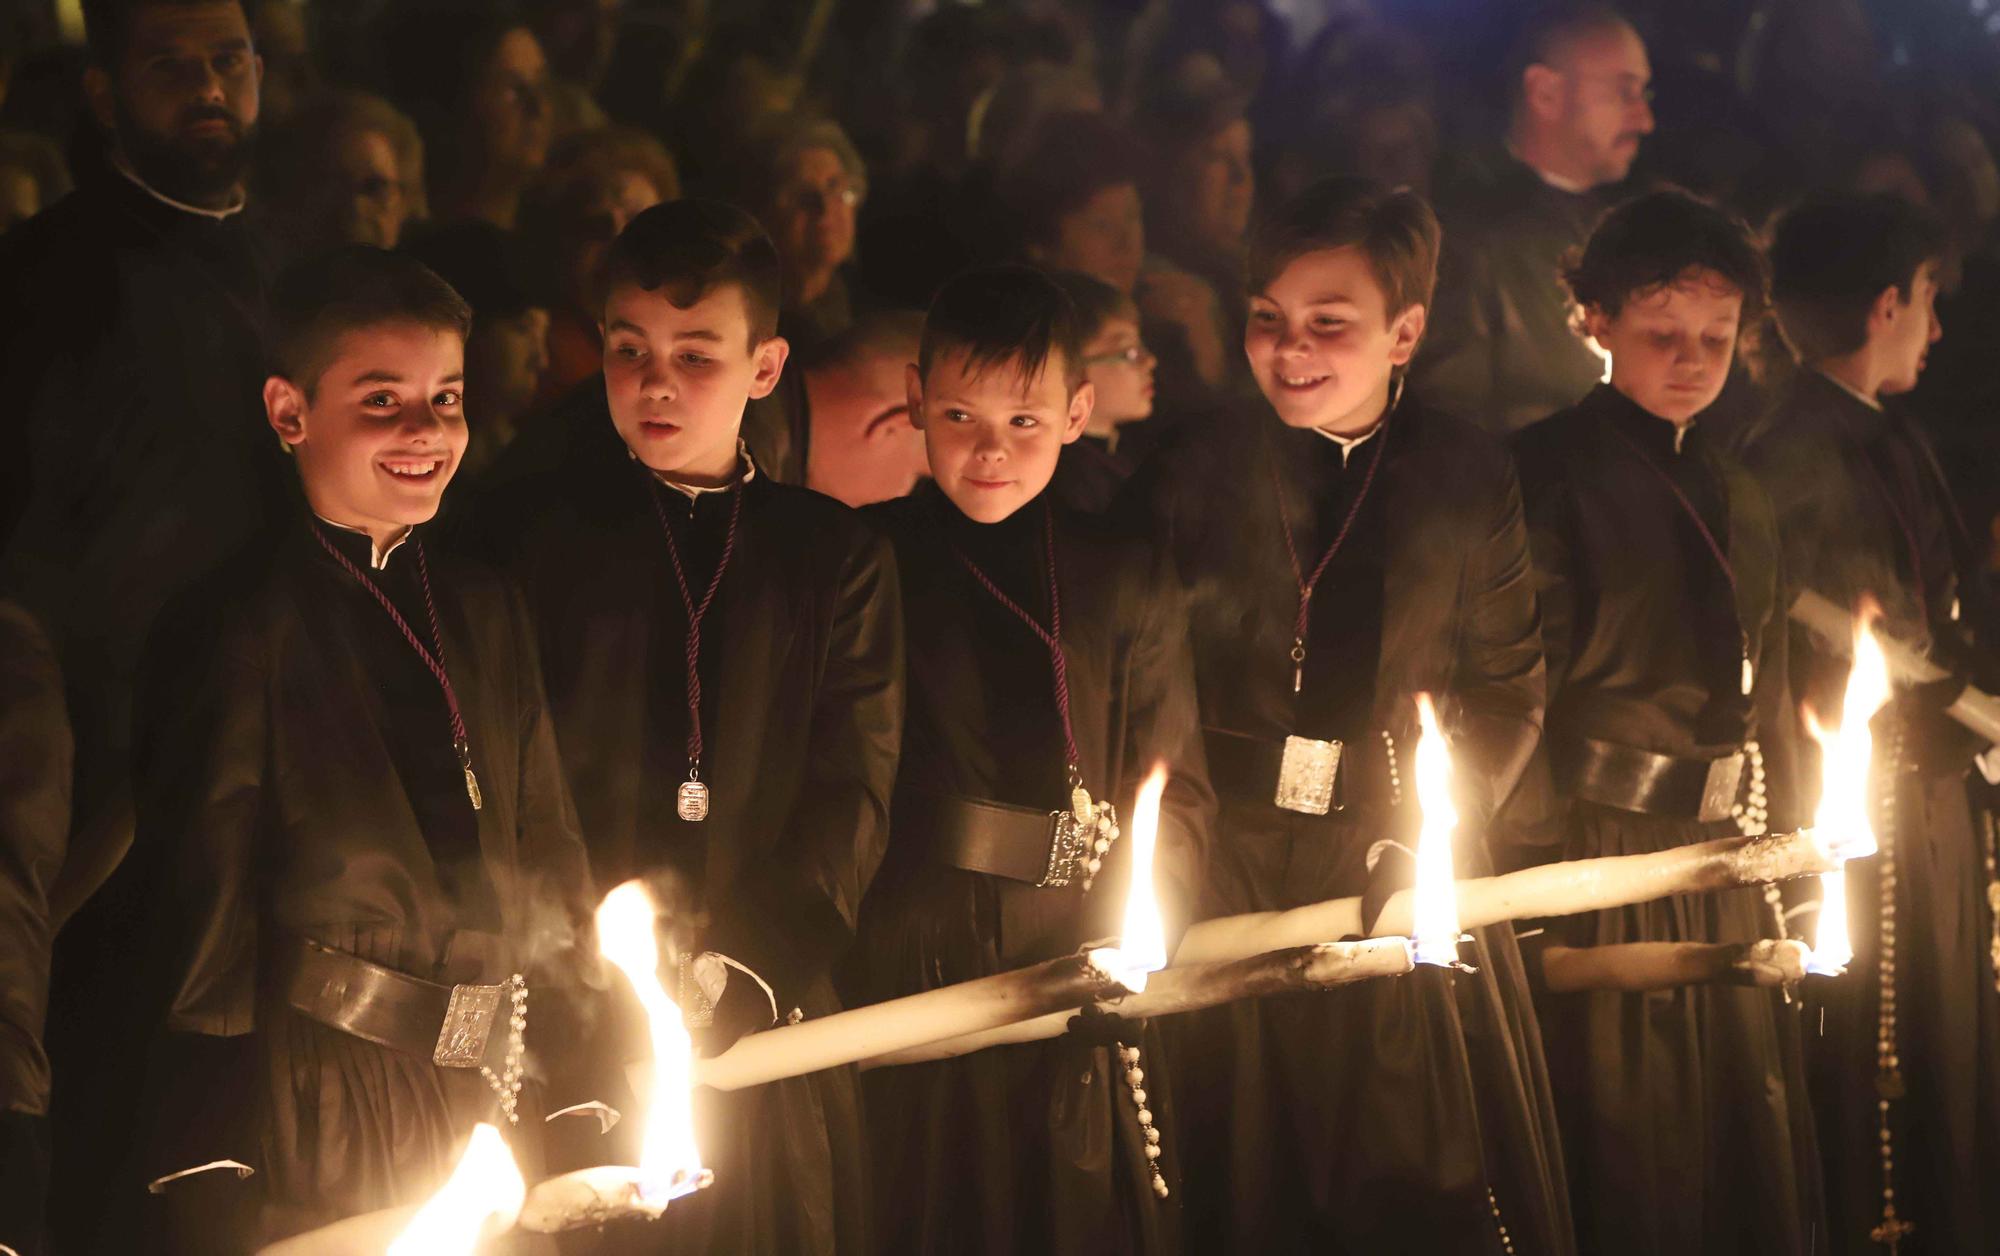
(1500, 352)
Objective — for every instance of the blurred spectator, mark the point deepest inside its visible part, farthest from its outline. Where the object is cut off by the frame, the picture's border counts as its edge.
(1006, 122)
(578, 37)
(473, 77)
(805, 182)
(860, 446)
(291, 77)
(1199, 196)
(508, 349)
(1499, 351)
(1363, 105)
(348, 168)
(1074, 199)
(33, 176)
(592, 186)
(1119, 368)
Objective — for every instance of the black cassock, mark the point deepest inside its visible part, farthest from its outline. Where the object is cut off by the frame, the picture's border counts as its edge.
(34, 828)
(296, 779)
(801, 712)
(1863, 510)
(1499, 349)
(1034, 1147)
(1685, 1122)
(1373, 1118)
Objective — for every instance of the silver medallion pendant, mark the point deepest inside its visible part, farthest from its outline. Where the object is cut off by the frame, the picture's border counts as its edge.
(692, 804)
(1306, 775)
(464, 752)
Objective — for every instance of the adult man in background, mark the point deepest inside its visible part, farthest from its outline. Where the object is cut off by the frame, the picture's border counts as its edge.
(1500, 352)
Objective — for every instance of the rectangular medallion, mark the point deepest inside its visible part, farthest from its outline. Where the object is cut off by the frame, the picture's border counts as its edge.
(468, 1022)
(1306, 775)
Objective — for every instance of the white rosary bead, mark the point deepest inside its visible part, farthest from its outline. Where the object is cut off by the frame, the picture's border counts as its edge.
(1134, 1075)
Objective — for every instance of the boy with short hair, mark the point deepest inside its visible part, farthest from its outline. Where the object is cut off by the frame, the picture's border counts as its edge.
(1349, 549)
(353, 833)
(1119, 368)
(1864, 510)
(1052, 656)
(1656, 560)
(724, 657)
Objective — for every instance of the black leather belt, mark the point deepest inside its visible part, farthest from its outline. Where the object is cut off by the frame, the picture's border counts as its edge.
(1255, 769)
(1631, 779)
(452, 1026)
(996, 838)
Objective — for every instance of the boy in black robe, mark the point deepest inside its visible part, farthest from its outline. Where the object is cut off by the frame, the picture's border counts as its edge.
(1035, 1147)
(724, 658)
(1684, 1119)
(354, 841)
(1864, 511)
(1348, 549)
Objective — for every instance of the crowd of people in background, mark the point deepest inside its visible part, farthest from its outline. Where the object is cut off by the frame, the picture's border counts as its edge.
(1599, 214)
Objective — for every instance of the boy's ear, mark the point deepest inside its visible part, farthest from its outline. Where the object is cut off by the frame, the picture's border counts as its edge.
(1596, 323)
(913, 392)
(285, 409)
(1081, 403)
(1406, 333)
(1888, 306)
(770, 358)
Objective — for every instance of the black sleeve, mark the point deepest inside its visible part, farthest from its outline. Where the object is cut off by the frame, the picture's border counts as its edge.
(792, 917)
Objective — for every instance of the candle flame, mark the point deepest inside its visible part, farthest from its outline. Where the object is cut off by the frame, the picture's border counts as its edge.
(485, 1188)
(1831, 952)
(669, 1162)
(1434, 906)
(1841, 824)
(1142, 939)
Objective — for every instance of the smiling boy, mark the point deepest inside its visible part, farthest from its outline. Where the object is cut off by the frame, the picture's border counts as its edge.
(1347, 549)
(724, 657)
(1663, 618)
(349, 802)
(1053, 655)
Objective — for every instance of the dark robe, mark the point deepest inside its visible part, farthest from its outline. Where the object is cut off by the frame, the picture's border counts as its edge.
(136, 451)
(802, 708)
(1090, 473)
(296, 778)
(1033, 1147)
(134, 456)
(1863, 510)
(1375, 1118)
(34, 827)
(1499, 350)
(1684, 1117)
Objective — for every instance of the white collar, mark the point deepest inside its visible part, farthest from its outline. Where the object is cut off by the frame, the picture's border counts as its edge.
(1572, 186)
(378, 553)
(694, 491)
(1348, 444)
(1873, 403)
(234, 207)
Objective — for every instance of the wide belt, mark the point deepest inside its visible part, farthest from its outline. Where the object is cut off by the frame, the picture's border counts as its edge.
(1631, 779)
(1045, 849)
(452, 1026)
(1302, 774)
